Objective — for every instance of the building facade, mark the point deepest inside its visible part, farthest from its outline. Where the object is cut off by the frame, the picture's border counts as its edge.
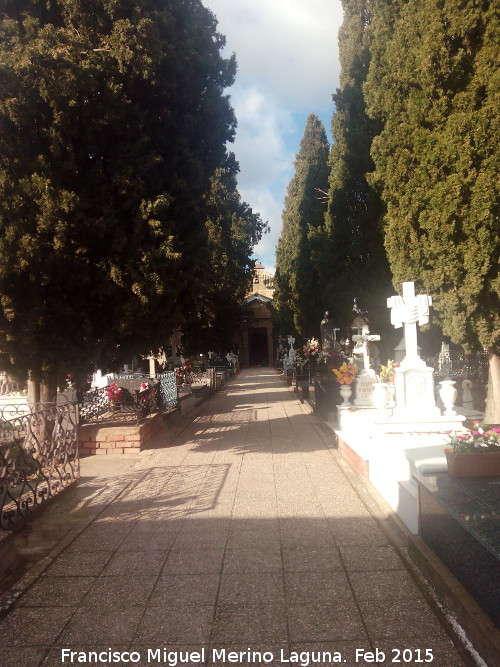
(256, 338)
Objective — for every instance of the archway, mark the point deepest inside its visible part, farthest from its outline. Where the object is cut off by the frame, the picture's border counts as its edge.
(258, 347)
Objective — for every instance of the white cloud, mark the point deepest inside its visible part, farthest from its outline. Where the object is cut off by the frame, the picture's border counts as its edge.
(288, 67)
(288, 47)
(260, 141)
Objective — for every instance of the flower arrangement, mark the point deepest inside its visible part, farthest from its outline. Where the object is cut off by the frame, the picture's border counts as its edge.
(477, 440)
(311, 349)
(346, 373)
(299, 361)
(114, 392)
(387, 373)
(185, 368)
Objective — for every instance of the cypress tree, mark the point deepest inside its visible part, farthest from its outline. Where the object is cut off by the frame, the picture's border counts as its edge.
(433, 84)
(298, 300)
(233, 229)
(354, 257)
(112, 123)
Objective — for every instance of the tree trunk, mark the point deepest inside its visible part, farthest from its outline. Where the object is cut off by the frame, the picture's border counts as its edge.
(42, 388)
(492, 413)
(48, 388)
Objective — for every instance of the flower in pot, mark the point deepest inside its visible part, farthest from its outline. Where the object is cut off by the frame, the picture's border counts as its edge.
(388, 373)
(474, 453)
(388, 376)
(345, 377)
(311, 350)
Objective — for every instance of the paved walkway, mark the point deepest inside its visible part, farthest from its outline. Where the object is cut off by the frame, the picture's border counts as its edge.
(243, 534)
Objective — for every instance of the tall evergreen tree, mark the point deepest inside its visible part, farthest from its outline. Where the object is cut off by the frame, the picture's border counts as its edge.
(351, 246)
(233, 230)
(434, 85)
(112, 123)
(298, 299)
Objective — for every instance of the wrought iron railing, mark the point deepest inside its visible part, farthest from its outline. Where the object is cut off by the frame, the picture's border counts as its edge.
(38, 458)
(133, 405)
(13, 410)
(167, 390)
(460, 366)
(207, 377)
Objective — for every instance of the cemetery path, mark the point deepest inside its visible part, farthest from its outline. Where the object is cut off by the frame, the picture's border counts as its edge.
(243, 533)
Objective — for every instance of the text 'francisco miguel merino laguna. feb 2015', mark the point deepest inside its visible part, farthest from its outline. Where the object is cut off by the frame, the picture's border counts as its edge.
(167, 658)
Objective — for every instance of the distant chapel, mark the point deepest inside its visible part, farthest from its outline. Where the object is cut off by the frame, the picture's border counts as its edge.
(256, 337)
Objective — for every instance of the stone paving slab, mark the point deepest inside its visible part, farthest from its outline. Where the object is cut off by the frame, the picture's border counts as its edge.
(241, 533)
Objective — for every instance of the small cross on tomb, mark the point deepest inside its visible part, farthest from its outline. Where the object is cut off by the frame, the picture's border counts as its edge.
(364, 338)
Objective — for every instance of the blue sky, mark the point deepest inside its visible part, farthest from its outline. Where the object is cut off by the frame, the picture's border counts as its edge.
(288, 67)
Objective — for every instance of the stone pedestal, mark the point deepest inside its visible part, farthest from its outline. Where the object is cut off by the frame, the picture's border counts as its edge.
(415, 400)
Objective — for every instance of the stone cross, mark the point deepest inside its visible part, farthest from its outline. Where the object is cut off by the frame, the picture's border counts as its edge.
(334, 331)
(364, 338)
(291, 341)
(408, 310)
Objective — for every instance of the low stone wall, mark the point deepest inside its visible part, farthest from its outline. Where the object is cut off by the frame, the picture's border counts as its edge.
(101, 439)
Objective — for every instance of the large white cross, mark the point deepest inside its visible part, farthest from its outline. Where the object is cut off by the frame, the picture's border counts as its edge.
(408, 310)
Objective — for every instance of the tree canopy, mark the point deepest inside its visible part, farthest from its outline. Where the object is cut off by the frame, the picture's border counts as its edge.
(113, 122)
(351, 245)
(233, 230)
(298, 298)
(434, 86)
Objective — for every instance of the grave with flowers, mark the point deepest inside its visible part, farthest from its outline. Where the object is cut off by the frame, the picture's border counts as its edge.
(121, 416)
(402, 431)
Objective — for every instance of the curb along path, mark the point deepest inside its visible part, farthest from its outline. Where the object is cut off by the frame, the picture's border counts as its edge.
(239, 542)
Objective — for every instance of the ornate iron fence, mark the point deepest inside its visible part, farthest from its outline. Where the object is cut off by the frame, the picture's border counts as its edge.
(13, 410)
(167, 390)
(207, 378)
(38, 458)
(460, 366)
(133, 405)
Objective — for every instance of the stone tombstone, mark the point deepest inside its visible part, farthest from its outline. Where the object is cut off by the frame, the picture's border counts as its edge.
(363, 389)
(414, 380)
